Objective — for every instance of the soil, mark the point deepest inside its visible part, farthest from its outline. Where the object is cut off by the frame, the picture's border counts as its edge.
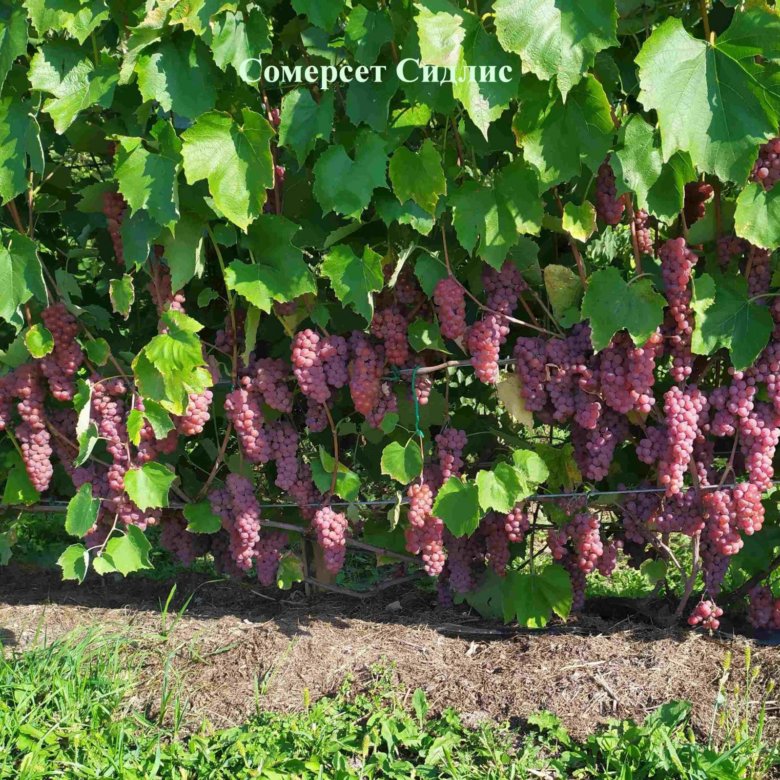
(234, 640)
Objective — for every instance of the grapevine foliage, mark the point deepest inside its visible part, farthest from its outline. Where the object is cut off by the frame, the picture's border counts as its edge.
(262, 259)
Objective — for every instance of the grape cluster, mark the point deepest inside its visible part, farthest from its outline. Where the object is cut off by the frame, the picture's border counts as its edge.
(61, 365)
(609, 206)
(461, 558)
(707, 615)
(483, 342)
(594, 449)
(161, 289)
(316, 417)
(766, 170)
(517, 523)
(697, 193)
(283, 443)
(386, 403)
(239, 509)
(643, 233)
(450, 444)
(269, 378)
(583, 531)
(115, 208)
(244, 411)
(308, 366)
(627, 373)
(196, 415)
(184, 545)
(331, 530)
(764, 608)
(530, 365)
(268, 553)
(684, 412)
(450, 300)
(389, 326)
(425, 533)
(677, 262)
(365, 372)
(496, 543)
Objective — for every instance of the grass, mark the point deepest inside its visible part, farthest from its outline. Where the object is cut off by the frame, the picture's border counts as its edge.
(67, 711)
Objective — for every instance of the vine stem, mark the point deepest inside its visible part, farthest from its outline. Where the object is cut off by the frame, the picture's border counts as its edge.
(217, 463)
(575, 250)
(705, 20)
(479, 303)
(634, 239)
(231, 304)
(335, 434)
(695, 548)
(11, 206)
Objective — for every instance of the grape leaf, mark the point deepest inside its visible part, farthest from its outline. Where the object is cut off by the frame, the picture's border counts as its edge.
(129, 552)
(122, 295)
(457, 505)
(13, 37)
(77, 17)
(638, 164)
(564, 289)
(497, 215)
(531, 599)
(500, 488)
(725, 317)
(612, 304)
(753, 32)
(532, 468)
(279, 272)
(366, 32)
(347, 482)
(60, 69)
(418, 176)
(196, 15)
(354, 279)
(21, 277)
(557, 38)
(344, 185)
(426, 335)
(149, 485)
(98, 351)
(82, 512)
(402, 463)
(368, 103)
(201, 518)
(237, 37)
(559, 138)
(148, 180)
(139, 231)
(185, 252)
(158, 418)
(509, 392)
(757, 217)
(289, 572)
(180, 75)
(236, 161)
(74, 563)
(390, 210)
(323, 13)
(303, 121)
(18, 488)
(684, 79)
(429, 272)
(39, 341)
(20, 146)
(579, 221)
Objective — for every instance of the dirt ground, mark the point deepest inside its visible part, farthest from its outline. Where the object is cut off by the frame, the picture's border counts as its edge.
(234, 640)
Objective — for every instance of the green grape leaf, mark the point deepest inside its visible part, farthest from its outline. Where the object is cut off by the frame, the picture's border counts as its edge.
(354, 279)
(77, 17)
(579, 221)
(304, 121)
(74, 562)
(757, 217)
(129, 552)
(500, 488)
(122, 295)
(180, 75)
(418, 176)
(39, 341)
(612, 304)
(201, 518)
(87, 439)
(559, 138)
(366, 32)
(148, 486)
(659, 187)
(390, 210)
(429, 272)
(134, 425)
(236, 161)
(20, 146)
(753, 32)
(61, 69)
(532, 468)
(290, 572)
(727, 318)
(344, 185)
(426, 335)
(531, 599)
(368, 103)
(347, 482)
(498, 215)
(685, 79)
(158, 418)
(654, 571)
(185, 252)
(457, 505)
(149, 181)
(235, 38)
(563, 469)
(82, 512)
(21, 276)
(403, 463)
(18, 489)
(564, 289)
(13, 37)
(98, 351)
(322, 13)
(279, 272)
(195, 15)
(557, 38)
(139, 231)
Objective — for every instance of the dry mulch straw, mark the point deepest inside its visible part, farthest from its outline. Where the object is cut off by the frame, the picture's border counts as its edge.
(232, 641)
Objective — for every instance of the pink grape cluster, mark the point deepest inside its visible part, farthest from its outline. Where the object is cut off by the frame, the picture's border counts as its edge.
(61, 365)
(389, 326)
(239, 509)
(763, 608)
(330, 528)
(766, 170)
(365, 373)
(609, 206)
(707, 615)
(684, 411)
(643, 233)
(115, 208)
(531, 367)
(450, 444)
(450, 301)
(697, 193)
(268, 553)
(677, 262)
